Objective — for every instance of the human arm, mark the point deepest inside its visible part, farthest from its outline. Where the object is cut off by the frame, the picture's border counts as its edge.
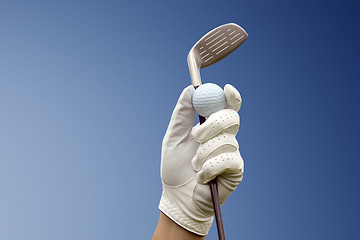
(167, 229)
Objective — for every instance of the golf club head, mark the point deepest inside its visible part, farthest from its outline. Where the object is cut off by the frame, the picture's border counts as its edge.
(212, 47)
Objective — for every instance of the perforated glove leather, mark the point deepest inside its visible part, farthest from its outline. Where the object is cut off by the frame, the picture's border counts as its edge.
(193, 156)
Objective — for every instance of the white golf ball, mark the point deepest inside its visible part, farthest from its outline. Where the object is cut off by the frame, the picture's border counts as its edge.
(208, 99)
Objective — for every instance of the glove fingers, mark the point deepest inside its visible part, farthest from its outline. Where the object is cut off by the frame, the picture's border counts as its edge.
(223, 120)
(183, 117)
(229, 180)
(230, 162)
(233, 97)
(223, 142)
(226, 186)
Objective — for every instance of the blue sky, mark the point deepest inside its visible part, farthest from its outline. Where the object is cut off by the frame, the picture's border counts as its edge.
(87, 89)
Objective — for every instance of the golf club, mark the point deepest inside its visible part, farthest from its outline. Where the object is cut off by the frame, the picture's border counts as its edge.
(211, 48)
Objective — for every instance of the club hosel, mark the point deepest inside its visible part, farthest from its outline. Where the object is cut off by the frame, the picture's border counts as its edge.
(194, 69)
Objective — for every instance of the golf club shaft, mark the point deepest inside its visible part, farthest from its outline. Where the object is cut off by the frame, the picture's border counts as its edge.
(215, 200)
(217, 210)
(225, 39)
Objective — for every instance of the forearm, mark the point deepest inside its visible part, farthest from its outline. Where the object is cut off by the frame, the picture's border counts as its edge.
(169, 230)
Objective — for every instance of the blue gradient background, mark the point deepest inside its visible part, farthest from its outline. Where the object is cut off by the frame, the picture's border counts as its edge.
(87, 89)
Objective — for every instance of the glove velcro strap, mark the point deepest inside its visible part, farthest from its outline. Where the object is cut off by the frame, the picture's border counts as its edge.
(179, 217)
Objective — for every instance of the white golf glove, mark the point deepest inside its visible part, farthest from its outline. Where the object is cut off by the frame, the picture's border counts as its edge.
(191, 157)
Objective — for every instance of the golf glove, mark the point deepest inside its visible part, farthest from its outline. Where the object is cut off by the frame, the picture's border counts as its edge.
(193, 156)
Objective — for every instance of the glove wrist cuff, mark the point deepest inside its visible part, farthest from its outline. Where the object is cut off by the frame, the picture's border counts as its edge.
(179, 217)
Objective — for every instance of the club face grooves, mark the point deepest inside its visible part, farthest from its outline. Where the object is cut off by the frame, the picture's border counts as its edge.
(214, 46)
(219, 43)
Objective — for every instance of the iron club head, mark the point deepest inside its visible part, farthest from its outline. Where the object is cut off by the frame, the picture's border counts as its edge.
(212, 47)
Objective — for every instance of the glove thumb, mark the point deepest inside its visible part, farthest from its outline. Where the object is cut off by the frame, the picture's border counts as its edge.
(183, 117)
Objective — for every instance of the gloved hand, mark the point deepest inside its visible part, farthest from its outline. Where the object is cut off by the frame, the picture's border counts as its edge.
(193, 156)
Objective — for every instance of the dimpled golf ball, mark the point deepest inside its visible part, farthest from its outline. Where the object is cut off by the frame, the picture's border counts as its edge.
(208, 99)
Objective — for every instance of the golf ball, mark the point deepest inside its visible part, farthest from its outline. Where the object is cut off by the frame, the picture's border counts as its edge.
(208, 99)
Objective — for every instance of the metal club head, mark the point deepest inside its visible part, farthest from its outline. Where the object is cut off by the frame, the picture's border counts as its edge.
(212, 47)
